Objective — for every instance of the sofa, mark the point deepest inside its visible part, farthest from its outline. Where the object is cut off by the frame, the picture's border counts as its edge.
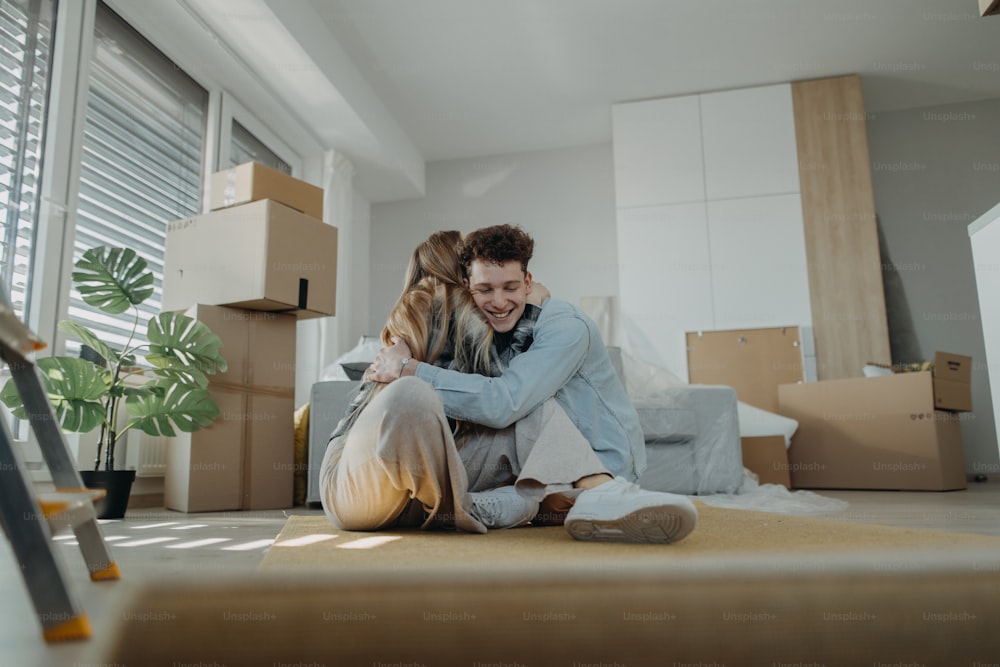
(691, 431)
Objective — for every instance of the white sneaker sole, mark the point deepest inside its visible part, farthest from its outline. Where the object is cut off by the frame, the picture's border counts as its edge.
(648, 525)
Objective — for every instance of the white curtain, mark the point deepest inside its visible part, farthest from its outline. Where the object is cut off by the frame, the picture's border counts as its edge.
(338, 186)
(319, 340)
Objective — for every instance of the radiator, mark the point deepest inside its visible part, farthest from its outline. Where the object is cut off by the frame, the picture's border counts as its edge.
(150, 458)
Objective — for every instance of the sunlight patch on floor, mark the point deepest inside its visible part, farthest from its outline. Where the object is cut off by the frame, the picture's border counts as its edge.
(305, 540)
(370, 542)
(155, 525)
(257, 544)
(199, 543)
(146, 542)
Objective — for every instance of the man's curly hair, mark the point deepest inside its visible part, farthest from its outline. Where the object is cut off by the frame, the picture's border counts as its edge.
(498, 244)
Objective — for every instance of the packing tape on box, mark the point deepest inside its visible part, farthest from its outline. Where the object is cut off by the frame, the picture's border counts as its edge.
(229, 192)
(263, 390)
(250, 497)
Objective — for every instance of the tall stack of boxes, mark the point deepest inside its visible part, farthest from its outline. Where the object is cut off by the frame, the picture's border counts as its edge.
(259, 261)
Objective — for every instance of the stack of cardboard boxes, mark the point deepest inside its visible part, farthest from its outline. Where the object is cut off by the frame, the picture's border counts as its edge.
(249, 269)
(901, 431)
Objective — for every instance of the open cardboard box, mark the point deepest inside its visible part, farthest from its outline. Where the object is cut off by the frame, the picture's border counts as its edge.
(887, 432)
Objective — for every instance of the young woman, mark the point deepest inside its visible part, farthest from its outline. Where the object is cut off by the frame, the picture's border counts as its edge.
(393, 459)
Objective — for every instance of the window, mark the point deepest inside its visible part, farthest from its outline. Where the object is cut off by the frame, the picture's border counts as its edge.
(245, 147)
(25, 63)
(143, 147)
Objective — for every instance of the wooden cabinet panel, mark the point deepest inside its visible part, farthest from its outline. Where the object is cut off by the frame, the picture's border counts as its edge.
(749, 142)
(845, 267)
(657, 152)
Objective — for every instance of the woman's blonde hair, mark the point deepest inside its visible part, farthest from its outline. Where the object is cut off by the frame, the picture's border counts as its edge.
(437, 257)
(441, 324)
(435, 314)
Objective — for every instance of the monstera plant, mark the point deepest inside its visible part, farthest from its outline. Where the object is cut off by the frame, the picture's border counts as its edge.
(166, 394)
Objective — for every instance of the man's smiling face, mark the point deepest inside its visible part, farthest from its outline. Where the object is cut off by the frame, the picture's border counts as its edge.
(500, 291)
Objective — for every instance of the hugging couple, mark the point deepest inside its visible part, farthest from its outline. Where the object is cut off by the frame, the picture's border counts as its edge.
(492, 405)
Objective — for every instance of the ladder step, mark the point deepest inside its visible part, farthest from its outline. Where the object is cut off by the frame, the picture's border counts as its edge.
(110, 573)
(72, 629)
(63, 501)
(30, 519)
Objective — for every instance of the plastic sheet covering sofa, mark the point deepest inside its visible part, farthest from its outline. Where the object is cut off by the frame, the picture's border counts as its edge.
(692, 431)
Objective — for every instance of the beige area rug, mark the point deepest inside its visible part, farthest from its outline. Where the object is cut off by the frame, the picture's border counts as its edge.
(746, 588)
(311, 542)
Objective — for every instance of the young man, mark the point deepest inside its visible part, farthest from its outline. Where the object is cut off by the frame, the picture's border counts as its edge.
(590, 476)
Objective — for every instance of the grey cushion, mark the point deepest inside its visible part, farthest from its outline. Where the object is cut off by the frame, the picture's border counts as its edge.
(662, 424)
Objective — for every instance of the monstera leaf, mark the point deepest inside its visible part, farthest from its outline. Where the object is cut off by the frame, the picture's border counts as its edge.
(76, 390)
(183, 348)
(113, 279)
(179, 407)
(89, 338)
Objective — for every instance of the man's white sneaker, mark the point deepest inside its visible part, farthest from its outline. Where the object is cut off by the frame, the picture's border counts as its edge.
(619, 511)
(502, 508)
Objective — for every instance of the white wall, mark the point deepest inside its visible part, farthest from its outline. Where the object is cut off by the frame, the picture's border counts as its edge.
(934, 171)
(564, 198)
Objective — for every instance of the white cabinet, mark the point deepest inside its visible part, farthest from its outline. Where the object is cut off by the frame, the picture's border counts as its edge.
(664, 279)
(984, 235)
(657, 152)
(749, 142)
(710, 232)
(759, 271)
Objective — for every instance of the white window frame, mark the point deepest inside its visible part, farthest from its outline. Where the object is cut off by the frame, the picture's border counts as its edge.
(232, 110)
(72, 43)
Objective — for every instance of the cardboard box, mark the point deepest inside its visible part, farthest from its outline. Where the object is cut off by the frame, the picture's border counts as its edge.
(873, 433)
(952, 374)
(751, 361)
(251, 181)
(259, 347)
(246, 458)
(767, 457)
(952, 382)
(258, 256)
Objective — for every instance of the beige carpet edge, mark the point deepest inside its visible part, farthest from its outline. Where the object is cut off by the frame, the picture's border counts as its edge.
(546, 552)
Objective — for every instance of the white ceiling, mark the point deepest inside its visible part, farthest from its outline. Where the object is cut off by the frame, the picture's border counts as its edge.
(439, 79)
(479, 77)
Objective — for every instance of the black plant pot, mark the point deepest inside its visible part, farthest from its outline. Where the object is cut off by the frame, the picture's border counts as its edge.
(117, 483)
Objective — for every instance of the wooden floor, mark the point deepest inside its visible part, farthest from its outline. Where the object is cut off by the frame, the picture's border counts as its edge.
(974, 510)
(162, 545)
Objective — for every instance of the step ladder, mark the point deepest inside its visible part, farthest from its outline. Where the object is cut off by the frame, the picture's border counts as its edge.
(29, 518)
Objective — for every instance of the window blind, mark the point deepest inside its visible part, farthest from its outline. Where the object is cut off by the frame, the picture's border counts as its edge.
(143, 148)
(25, 63)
